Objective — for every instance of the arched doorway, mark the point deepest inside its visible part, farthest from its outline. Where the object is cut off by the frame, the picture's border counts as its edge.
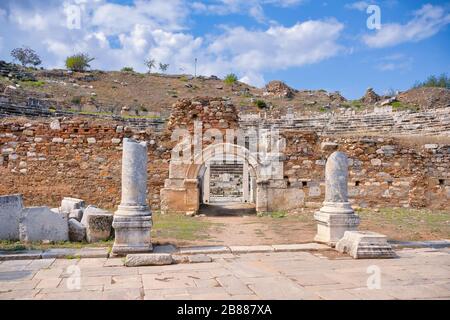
(190, 185)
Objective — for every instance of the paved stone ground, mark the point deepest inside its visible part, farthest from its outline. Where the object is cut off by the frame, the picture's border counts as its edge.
(416, 274)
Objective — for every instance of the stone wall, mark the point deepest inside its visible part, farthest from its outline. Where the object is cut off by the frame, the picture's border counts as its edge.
(47, 159)
(383, 121)
(383, 171)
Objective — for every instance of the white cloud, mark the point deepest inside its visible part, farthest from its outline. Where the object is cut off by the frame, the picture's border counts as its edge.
(140, 32)
(395, 62)
(359, 5)
(253, 8)
(426, 22)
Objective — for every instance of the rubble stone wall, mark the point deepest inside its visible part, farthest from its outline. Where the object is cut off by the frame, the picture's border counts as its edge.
(47, 159)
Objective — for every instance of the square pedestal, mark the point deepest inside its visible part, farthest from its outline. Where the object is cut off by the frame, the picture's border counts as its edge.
(132, 234)
(331, 227)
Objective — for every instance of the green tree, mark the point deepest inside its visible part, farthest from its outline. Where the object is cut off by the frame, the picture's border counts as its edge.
(26, 56)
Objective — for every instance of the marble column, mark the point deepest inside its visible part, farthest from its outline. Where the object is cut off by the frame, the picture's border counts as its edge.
(336, 216)
(133, 219)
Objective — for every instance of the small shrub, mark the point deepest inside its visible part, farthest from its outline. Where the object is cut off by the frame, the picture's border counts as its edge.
(33, 83)
(261, 104)
(397, 105)
(79, 62)
(76, 100)
(127, 69)
(230, 79)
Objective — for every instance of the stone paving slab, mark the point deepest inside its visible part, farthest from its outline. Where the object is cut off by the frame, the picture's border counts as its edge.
(300, 247)
(18, 255)
(203, 250)
(103, 252)
(416, 274)
(251, 249)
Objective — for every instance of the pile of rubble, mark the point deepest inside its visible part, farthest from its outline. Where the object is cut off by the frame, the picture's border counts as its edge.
(73, 221)
(213, 112)
(15, 72)
(370, 97)
(279, 89)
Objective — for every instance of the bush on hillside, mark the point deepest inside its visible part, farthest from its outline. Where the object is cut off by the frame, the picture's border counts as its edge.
(79, 62)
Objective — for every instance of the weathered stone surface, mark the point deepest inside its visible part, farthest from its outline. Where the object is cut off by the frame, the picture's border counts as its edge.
(70, 204)
(329, 146)
(98, 224)
(250, 249)
(22, 255)
(199, 258)
(336, 216)
(180, 258)
(204, 250)
(76, 214)
(77, 231)
(151, 259)
(41, 223)
(365, 245)
(92, 210)
(336, 178)
(133, 220)
(10, 211)
(299, 247)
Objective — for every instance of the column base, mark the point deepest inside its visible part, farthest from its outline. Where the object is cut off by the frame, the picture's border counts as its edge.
(132, 232)
(333, 220)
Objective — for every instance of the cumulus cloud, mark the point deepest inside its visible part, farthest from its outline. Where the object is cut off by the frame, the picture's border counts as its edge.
(359, 5)
(141, 31)
(426, 22)
(253, 8)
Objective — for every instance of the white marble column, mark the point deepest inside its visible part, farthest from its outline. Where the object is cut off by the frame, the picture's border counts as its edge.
(245, 182)
(133, 219)
(206, 185)
(336, 216)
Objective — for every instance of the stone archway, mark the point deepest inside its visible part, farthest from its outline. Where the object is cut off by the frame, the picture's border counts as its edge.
(182, 192)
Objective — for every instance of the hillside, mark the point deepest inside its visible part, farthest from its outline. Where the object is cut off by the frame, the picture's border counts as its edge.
(152, 95)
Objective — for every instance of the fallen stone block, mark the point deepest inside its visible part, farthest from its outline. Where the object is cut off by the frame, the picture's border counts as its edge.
(151, 259)
(98, 224)
(70, 204)
(77, 232)
(11, 207)
(365, 245)
(42, 224)
(76, 214)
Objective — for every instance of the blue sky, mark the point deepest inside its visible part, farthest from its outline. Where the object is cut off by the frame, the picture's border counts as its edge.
(308, 44)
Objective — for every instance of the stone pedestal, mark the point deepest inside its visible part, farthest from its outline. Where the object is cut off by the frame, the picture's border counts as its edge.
(133, 220)
(365, 245)
(336, 216)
